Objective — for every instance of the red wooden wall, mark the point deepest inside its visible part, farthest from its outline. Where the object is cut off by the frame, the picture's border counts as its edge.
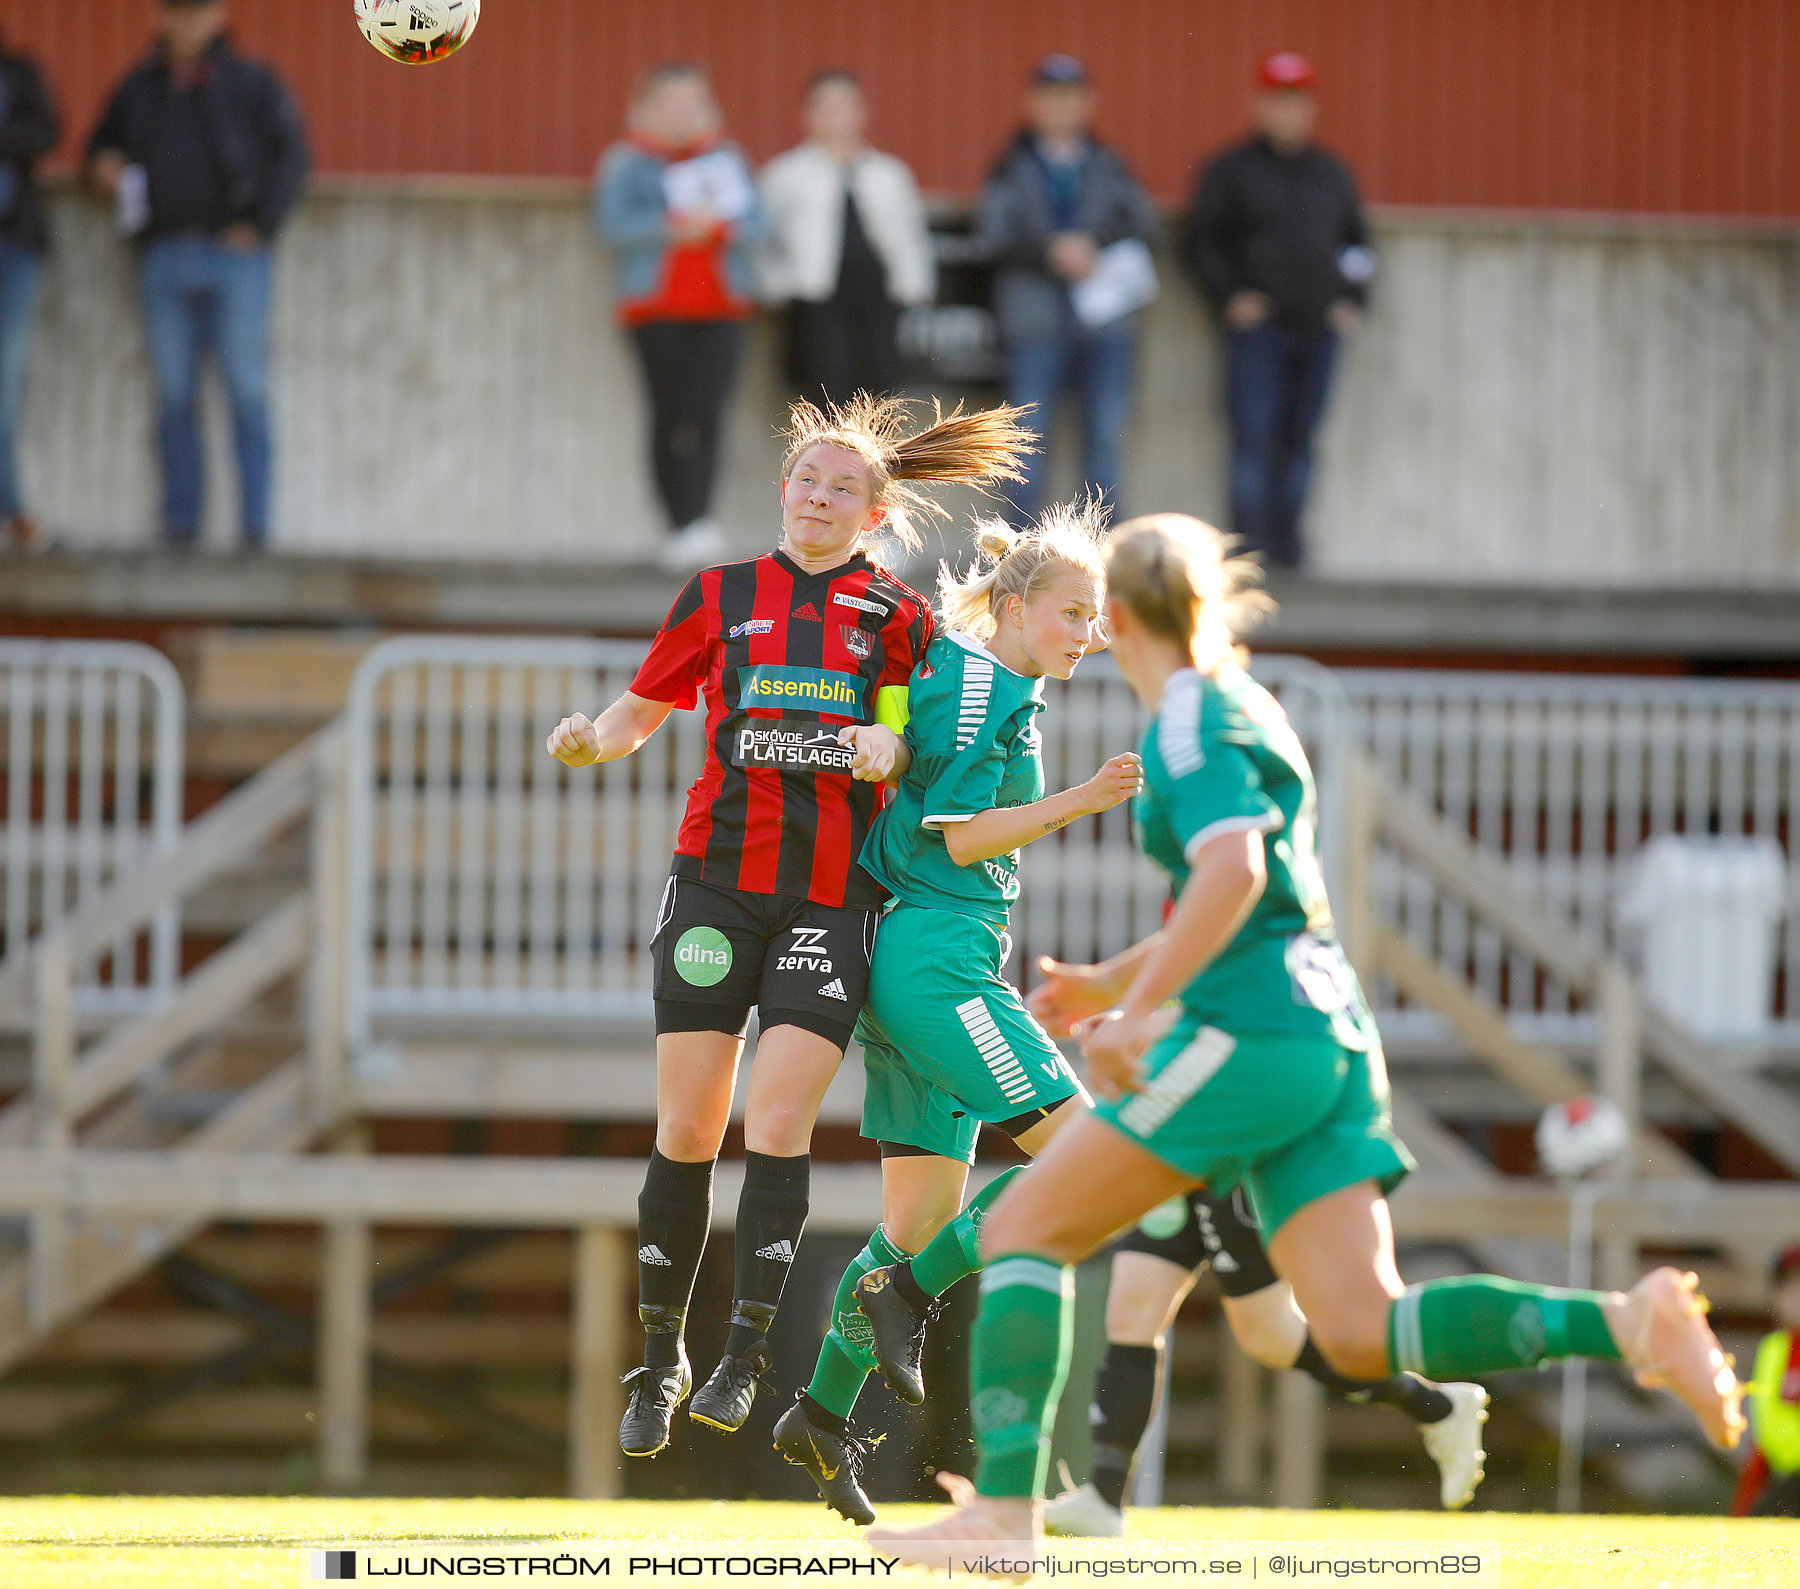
(1683, 106)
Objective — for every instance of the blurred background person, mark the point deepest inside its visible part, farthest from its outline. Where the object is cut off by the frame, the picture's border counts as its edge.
(1769, 1484)
(847, 248)
(1057, 203)
(1277, 239)
(204, 154)
(676, 203)
(29, 129)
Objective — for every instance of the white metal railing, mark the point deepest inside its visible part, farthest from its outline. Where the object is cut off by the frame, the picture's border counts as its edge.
(93, 742)
(489, 882)
(1566, 778)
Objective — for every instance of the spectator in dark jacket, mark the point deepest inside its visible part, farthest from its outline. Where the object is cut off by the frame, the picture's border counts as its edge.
(204, 154)
(1059, 216)
(29, 129)
(1278, 241)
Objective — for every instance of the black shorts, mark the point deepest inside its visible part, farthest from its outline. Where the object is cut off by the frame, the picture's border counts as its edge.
(1221, 1231)
(718, 951)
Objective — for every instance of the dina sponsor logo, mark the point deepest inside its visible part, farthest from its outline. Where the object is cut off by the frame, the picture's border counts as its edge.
(754, 626)
(702, 956)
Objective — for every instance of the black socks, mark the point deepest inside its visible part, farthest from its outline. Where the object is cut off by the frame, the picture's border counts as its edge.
(1419, 1399)
(771, 1217)
(674, 1212)
(1124, 1395)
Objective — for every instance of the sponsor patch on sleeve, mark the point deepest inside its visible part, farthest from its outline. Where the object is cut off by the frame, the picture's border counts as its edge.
(787, 744)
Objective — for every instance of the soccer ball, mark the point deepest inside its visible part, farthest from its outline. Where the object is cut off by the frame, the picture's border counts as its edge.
(1578, 1135)
(417, 32)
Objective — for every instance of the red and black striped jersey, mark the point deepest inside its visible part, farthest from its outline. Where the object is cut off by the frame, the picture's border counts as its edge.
(786, 659)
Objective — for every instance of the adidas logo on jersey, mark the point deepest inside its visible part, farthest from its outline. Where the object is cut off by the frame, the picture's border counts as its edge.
(834, 989)
(654, 1254)
(780, 1251)
(809, 613)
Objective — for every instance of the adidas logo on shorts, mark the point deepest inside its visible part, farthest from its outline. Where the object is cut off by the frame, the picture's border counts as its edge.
(780, 1251)
(654, 1254)
(834, 989)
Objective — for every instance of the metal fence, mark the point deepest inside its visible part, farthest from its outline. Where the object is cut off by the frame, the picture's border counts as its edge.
(93, 736)
(489, 882)
(1569, 777)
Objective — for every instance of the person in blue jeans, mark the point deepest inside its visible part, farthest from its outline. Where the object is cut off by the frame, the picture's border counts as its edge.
(29, 129)
(1055, 200)
(204, 155)
(1277, 239)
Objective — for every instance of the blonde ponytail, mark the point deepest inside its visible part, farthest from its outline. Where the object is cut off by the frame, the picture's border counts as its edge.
(968, 449)
(1183, 582)
(1021, 563)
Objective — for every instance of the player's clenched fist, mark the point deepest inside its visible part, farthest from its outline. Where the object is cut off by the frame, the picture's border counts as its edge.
(876, 747)
(574, 741)
(1118, 779)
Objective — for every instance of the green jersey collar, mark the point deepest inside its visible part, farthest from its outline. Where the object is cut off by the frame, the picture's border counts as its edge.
(969, 643)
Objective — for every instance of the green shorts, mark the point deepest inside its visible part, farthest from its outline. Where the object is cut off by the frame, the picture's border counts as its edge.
(947, 1041)
(1293, 1118)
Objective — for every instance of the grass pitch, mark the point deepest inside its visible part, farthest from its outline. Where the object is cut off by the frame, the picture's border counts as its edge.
(80, 1542)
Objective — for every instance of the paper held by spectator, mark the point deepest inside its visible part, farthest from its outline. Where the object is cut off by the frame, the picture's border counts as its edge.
(715, 183)
(1124, 279)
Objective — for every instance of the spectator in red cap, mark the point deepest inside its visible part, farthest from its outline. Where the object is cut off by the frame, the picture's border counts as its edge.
(1277, 239)
(1769, 1485)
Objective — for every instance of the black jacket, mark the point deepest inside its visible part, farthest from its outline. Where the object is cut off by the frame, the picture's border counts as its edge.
(1287, 226)
(253, 145)
(29, 129)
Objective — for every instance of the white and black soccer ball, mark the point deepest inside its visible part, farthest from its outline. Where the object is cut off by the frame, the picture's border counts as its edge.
(1579, 1135)
(417, 32)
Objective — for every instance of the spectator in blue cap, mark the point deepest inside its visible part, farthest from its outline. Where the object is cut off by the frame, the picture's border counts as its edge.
(1067, 227)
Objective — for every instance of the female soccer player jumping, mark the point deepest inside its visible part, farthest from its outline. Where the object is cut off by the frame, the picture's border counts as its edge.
(1271, 1076)
(797, 652)
(947, 1041)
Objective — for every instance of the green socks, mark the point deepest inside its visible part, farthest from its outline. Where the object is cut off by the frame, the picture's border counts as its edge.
(1018, 1365)
(955, 1251)
(847, 1359)
(1470, 1325)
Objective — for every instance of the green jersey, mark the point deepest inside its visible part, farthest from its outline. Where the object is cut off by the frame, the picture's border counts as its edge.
(975, 745)
(1220, 757)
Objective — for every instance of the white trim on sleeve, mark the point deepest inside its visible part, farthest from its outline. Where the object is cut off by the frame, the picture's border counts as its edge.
(941, 821)
(1263, 824)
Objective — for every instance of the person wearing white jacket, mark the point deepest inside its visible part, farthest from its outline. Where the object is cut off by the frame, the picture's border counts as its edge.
(846, 249)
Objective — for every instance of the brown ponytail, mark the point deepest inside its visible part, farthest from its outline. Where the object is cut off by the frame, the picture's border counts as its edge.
(970, 449)
(1182, 582)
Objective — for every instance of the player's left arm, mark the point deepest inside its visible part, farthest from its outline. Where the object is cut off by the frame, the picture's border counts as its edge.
(1002, 829)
